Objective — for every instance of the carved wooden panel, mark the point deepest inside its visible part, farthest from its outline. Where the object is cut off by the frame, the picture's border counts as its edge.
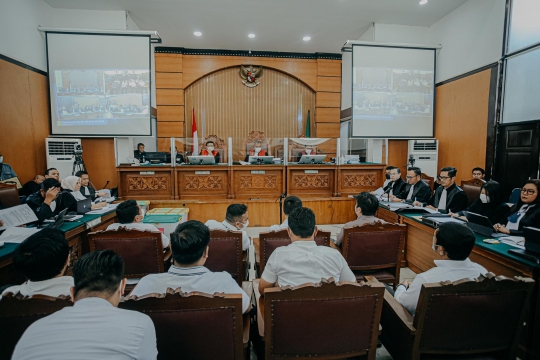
(147, 183)
(196, 182)
(311, 181)
(356, 180)
(258, 182)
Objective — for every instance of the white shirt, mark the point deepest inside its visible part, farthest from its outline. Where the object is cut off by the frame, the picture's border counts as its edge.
(53, 287)
(521, 213)
(224, 225)
(445, 270)
(141, 226)
(283, 225)
(360, 221)
(304, 262)
(197, 278)
(91, 329)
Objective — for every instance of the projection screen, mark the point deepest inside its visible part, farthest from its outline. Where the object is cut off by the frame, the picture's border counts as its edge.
(99, 84)
(393, 91)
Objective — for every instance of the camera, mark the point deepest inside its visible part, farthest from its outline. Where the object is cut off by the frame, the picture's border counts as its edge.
(78, 150)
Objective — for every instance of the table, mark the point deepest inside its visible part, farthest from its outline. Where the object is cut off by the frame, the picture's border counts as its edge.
(206, 181)
(257, 181)
(146, 181)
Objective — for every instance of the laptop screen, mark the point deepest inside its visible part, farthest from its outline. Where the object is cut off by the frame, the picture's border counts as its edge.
(532, 239)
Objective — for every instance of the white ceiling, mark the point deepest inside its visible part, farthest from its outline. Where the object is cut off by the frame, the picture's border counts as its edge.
(279, 25)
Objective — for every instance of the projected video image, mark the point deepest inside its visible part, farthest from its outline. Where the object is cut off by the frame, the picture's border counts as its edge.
(373, 79)
(79, 82)
(412, 81)
(127, 82)
(412, 104)
(372, 103)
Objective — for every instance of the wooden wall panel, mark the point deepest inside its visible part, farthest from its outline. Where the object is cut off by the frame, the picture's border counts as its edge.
(327, 114)
(169, 97)
(328, 99)
(100, 163)
(461, 123)
(398, 154)
(168, 62)
(41, 126)
(170, 113)
(168, 80)
(164, 144)
(170, 129)
(328, 68)
(330, 84)
(327, 130)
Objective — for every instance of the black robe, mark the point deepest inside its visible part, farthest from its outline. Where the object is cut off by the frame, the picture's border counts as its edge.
(421, 192)
(456, 199)
(496, 214)
(397, 188)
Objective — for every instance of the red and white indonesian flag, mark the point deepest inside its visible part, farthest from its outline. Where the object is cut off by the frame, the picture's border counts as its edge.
(195, 148)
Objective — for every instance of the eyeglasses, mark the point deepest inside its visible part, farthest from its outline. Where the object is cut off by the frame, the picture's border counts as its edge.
(410, 177)
(443, 177)
(528, 191)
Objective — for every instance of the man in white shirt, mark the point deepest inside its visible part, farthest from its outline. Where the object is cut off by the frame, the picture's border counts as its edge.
(454, 242)
(190, 250)
(365, 209)
(303, 261)
(289, 204)
(235, 219)
(130, 215)
(93, 328)
(43, 258)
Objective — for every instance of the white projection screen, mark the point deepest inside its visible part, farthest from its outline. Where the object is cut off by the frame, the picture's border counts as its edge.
(99, 84)
(393, 91)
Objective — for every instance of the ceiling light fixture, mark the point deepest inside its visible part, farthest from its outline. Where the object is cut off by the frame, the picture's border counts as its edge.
(306, 38)
(422, 2)
(197, 33)
(251, 36)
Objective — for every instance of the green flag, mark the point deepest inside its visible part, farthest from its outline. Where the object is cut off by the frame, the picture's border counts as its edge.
(308, 125)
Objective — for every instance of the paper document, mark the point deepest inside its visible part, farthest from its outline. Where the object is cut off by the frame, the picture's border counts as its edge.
(17, 215)
(431, 211)
(102, 210)
(516, 241)
(441, 220)
(243, 162)
(378, 192)
(17, 234)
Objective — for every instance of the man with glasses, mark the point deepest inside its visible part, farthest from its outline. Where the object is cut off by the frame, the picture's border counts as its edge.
(415, 190)
(448, 197)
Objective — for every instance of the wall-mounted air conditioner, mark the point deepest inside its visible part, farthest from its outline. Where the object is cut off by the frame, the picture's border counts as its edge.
(426, 155)
(60, 154)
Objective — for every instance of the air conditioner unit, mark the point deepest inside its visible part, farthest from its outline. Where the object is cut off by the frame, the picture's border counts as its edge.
(426, 155)
(60, 154)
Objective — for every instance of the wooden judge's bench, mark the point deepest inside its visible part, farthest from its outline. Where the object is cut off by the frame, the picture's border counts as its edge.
(212, 182)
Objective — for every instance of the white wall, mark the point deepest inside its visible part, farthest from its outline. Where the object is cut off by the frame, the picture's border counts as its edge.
(391, 33)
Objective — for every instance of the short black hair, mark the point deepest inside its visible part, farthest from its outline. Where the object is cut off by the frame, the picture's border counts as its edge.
(397, 169)
(189, 241)
(390, 167)
(49, 183)
(367, 202)
(291, 203)
(210, 141)
(98, 272)
(302, 222)
(494, 191)
(42, 256)
(479, 169)
(50, 169)
(139, 144)
(81, 173)
(126, 211)
(235, 212)
(417, 170)
(452, 171)
(457, 240)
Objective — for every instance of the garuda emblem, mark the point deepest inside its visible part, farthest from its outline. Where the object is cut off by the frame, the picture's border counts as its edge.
(251, 75)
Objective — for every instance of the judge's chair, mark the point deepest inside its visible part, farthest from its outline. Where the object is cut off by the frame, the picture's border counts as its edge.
(375, 250)
(18, 312)
(472, 189)
(327, 320)
(466, 319)
(429, 180)
(219, 146)
(225, 254)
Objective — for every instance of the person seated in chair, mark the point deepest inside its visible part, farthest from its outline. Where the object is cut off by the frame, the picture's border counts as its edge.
(257, 150)
(479, 173)
(365, 208)
(210, 150)
(140, 154)
(448, 197)
(525, 213)
(32, 186)
(189, 245)
(43, 259)
(71, 194)
(490, 204)
(236, 219)
(308, 150)
(415, 190)
(52, 173)
(88, 191)
(130, 215)
(6, 171)
(454, 243)
(93, 328)
(289, 204)
(43, 203)
(397, 185)
(303, 261)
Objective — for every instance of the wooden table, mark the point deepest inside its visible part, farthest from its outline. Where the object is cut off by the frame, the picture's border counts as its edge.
(146, 182)
(353, 179)
(257, 181)
(202, 181)
(311, 180)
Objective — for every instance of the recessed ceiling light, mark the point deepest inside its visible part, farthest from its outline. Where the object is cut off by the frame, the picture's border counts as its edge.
(422, 2)
(197, 33)
(306, 38)
(251, 36)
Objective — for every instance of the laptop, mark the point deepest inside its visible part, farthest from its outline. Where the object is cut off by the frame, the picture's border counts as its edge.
(201, 160)
(532, 245)
(58, 221)
(312, 159)
(479, 224)
(261, 159)
(84, 206)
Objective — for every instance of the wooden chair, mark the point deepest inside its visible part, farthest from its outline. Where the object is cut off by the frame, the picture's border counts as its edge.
(428, 180)
(270, 241)
(18, 312)
(219, 146)
(195, 325)
(375, 250)
(465, 319)
(249, 142)
(472, 189)
(9, 195)
(327, 320)
(226, 254)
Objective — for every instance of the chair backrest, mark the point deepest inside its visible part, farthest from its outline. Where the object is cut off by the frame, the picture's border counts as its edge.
(18, 312)
(219, 146)
(270, 241)
(514, 196)
(472, 189)
(468, 316)
(142, 251)
(226, 254)
(9, 195)
(291, 313)
(428, 180)
(374, 246)
(193, 325)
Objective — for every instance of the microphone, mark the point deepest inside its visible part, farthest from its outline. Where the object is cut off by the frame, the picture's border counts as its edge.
(386, 192)
(107, 183)
(284, 195)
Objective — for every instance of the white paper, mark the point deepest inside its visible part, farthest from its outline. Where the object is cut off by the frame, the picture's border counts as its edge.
(243, 162)
(441, 220)
(102, 210)
(378, 192)
(74, 218)
(17, 234)
(515, 241)
(17, 215)
(431, 211)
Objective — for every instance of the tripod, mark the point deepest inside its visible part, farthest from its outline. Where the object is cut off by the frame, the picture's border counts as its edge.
(78, 164)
